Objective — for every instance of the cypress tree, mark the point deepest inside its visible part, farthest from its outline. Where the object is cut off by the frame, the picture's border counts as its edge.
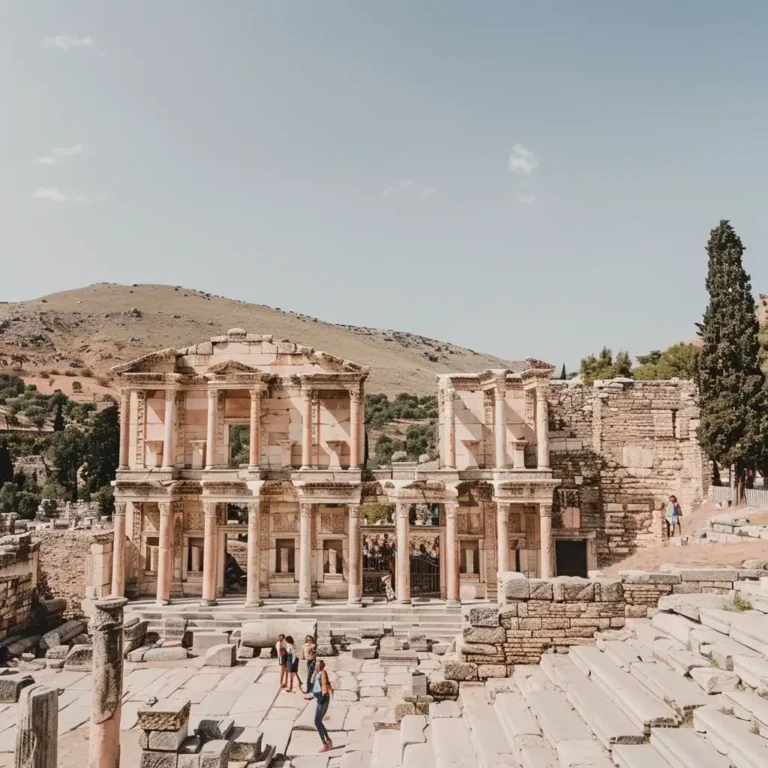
(563, 373)
(731, 384)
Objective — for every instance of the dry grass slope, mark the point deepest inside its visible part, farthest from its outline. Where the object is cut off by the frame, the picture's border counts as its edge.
(98, 327)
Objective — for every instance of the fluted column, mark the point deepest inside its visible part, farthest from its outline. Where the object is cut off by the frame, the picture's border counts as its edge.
(451, 552)
(502, 536)
(542, 428)
(500, 422)
(168, 441)
(254, 458)
(118, 550)
(355, 413)
(210, 442)
(305, 553)
(210, 545)
(354, 571)
(252, 575)
(450, 429)
(306, 428)
(545, 521)
(403, 554)
(165, 554)
(125, 427)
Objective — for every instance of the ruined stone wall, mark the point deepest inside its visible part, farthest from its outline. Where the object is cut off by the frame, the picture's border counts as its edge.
(620, 449)
(534, 616)
(18, 579)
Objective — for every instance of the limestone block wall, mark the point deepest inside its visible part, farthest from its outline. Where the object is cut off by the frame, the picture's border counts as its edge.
(534, 616)
(18, 580)
(620, 449)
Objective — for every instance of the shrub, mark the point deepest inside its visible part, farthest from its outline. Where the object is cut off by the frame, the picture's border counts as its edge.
(86, 373)
(77, 386)
(70, 372)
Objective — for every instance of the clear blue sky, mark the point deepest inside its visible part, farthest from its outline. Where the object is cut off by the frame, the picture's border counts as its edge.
(523, 178)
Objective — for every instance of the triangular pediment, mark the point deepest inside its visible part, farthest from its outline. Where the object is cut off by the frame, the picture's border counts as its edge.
(154, 362)
(232, 366)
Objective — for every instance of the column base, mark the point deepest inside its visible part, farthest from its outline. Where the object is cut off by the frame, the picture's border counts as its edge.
(304, 468)
(253, 603)
(162, 601)
(451, 603)
(355, 601)
(303, 603)
(208, 603)
(406, 601)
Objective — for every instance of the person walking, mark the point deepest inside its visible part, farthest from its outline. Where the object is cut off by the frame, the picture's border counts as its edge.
(281, 659)
(309, 652)
(322, 690)
(674, 513)
(291, 663)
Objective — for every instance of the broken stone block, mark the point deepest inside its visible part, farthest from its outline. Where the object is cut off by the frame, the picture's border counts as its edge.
(158, 759)
(485, 635)
(62, 634)
(220, 656)
(11, 686)
(245, 744)
(265, 653)
(512, 586)
(79, 657)
(214, 728)
(165, 654)
(202, 640)
(404, 709)
(440, 648)
(164, 715)
(363, 651)
(164, 741)
(134, 635)
(57, 652)
(245, 652)
(215, 754)
(460, 670)
(137, 655)
(484, 616)
(714, 680)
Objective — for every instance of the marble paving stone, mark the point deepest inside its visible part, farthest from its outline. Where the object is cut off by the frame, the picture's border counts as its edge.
(290, 701)
(277, 734)
(311, 761)
(371, 678)
(175, 681)
(238, 679)
(128, 715)
(334, 718)
(219, 702)
(359, 716)
(74, 716)
(9, 718)
(374, 691)
(257, 696)
(8, 740)
(289, 715)
(308, 743)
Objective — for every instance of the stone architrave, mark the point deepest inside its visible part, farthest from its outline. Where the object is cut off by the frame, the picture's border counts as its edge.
(37, 729)
(253, 581)
(118, 550)
(403, 553)
(107, 629)
(210, 545)
(452, 553)
(355, 555)
(305, 553)
(545, 519)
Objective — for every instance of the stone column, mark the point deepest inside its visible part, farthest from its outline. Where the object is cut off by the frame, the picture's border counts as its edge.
(165, 554)
(355, 570)
(450, 429)
(252, 574)
(210, 443)
(403, 555)
(451, 553)
(500, 422)
(125, 427)
(355, 413)
(502, 536)
(169, 446)
(255, 438)
(305, 554)
(545, 518)
(118, 550)
(37, 729)
(306, 428)
(107, 630)
(196, 558)
(542, 428)
(210, 545)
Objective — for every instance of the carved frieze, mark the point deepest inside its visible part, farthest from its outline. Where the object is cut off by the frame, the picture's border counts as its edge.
(332, 521)
(285, 522)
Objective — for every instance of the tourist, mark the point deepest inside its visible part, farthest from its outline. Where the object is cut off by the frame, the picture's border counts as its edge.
(291, 663)
(321, 690)
(309, 652)
(281, 659)
(674, 513)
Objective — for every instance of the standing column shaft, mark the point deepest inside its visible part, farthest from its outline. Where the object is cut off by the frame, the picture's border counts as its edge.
(306, 442)
(252, 576)
(542, 428)
(305, 554)
(37, 728)
(210, 442)
(125, 427)
(545, 518)
(502, 536)
(452, 553)
(450, 429)
(403, 554)
(354, 572)
(168, 442)
(355, 397)
(500, 424)
(165, 554)
(107, 629)
(209, 554)
(254, 458)
(118, 550)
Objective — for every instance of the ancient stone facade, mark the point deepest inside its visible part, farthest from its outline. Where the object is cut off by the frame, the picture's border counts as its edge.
(18, 581)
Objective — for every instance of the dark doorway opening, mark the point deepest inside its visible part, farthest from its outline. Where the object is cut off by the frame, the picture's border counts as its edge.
(571, 557)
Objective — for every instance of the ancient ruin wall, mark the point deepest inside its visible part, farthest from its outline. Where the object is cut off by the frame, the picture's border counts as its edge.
(621, 448)
(18, 579)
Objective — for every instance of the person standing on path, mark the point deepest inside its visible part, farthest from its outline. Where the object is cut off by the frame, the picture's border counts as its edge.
(309, 652)
(321, 690)
(281, 659)
(674, 513)
(291, 663)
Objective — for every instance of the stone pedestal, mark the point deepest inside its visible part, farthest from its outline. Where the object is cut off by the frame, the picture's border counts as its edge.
(37, 730)
(107, 629)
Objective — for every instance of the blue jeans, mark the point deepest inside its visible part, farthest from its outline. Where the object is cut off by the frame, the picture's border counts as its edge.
(310, 671)
(323, 700)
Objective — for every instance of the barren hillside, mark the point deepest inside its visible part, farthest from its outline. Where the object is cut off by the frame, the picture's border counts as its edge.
(105, 324)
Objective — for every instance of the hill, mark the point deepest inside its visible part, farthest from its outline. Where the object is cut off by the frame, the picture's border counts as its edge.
(102, 325)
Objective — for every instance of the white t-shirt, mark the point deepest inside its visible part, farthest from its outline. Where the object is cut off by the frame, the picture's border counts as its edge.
(279, 646)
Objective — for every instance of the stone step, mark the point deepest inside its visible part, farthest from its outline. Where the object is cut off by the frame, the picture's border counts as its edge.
(752, 670)
(386, 749)
(418, 756)
(731, 737)
(492, 747)
(684, 748)
(528, 678)
(675, 626)
(452, 744)
(690, 605)
(412, 732)
(621, 653)
(749, 706)
(642, 708)
(557, 719)
(679, 692)
(538, 756)
(718, 647)
(575, 754)
(638, 756)
(675, 656)
(751, 629)
(519, 723)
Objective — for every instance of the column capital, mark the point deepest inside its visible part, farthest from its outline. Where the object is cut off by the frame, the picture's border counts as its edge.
(354, 511)
(356, 394)
(305, 508)
(403, 508)
(210, 508)
(254, 503)
(451, 509)
(120, 508)
(170, 394)
(545, 510)
(501, 382)
(256, 392)
(164, 507)
(213, 393)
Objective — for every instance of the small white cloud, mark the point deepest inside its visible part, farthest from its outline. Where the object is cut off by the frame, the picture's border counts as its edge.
(522, 160)
(67, 42)
(50, 193)
(429, 191)
(527, 199)
(388, 191)
(61, 153)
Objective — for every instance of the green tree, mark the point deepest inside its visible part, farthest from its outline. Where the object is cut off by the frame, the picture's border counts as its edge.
(731, 385)
(603, 366)
(8, 498)
(58, 401)
(563, 373)
(676, 362)
(6, 464)
(101, 449)
(66, 452)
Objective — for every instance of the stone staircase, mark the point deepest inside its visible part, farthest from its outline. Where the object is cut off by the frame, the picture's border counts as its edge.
(685, 689)
(436, 620)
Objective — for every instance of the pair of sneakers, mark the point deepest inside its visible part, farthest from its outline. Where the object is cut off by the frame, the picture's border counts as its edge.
(327, 747)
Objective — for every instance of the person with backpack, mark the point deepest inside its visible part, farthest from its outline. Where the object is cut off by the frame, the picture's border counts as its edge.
(322, 690)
